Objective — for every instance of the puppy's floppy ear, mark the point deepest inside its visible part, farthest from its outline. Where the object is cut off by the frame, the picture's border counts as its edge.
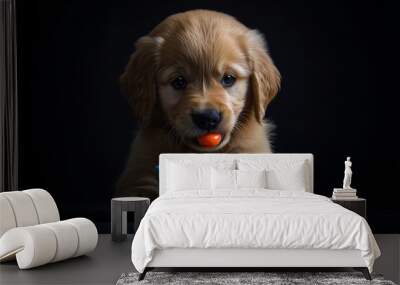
(138, 82)
(265, 78)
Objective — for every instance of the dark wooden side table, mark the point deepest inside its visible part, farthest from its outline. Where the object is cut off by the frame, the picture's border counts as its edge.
(358, 205)
(119, 208)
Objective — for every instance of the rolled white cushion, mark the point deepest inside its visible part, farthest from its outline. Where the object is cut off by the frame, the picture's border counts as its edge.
(67, 240)
(33, 246)
(41, 244)
(23, 208)
(26, 208)
(87, 234)
(7, 218)
(45, 205)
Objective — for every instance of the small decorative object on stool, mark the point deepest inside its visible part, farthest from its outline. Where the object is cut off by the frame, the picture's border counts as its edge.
(119, 208)
(346, 193)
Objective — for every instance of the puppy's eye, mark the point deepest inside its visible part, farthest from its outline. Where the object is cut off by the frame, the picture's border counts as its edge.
(179, 83)
(228, 80)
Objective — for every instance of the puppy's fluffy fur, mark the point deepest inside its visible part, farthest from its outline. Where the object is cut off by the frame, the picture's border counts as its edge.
(201, 46)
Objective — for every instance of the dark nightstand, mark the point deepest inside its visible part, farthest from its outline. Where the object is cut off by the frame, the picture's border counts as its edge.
(119, 208)
(358, 205)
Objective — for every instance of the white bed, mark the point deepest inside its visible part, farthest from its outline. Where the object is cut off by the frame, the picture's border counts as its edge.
(249, 226)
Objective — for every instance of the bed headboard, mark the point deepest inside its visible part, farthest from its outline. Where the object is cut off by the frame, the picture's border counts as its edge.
(212, 158)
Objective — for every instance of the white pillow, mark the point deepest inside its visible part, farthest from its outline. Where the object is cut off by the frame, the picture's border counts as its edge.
(224, 179)
(251, 178)
(289, 179)
(282, 174)
(231, 180)
(183, 178)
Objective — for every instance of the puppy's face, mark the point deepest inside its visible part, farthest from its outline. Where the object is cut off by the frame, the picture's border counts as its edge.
(205, 69)
(202, 85)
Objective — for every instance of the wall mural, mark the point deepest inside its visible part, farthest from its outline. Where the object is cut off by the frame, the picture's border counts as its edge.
(92, 119)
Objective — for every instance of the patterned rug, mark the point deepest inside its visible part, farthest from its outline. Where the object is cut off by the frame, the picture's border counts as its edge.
(244, 278)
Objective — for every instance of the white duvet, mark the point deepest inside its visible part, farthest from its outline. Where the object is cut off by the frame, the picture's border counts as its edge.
(252, 218)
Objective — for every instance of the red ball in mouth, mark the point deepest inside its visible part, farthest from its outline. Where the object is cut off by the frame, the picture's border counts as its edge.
(209, 139)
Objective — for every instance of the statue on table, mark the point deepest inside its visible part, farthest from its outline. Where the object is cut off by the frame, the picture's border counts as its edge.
(347, 174)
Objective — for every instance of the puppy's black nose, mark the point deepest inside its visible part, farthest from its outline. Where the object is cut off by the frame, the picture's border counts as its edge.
(207, 119)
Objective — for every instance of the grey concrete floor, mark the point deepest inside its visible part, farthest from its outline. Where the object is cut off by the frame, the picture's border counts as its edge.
(110, 260)
(389, 262)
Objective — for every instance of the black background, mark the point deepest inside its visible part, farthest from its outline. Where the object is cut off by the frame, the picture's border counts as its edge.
(339, 94)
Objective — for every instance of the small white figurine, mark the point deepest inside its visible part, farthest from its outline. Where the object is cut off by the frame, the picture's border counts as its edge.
(347, 174)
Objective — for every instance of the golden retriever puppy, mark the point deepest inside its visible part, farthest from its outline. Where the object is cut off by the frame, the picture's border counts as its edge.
(196, 73)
